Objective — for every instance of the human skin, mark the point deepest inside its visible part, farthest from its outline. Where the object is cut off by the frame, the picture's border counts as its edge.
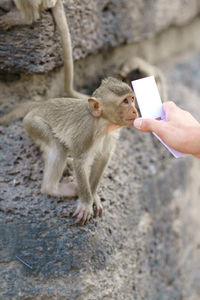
(181, 131)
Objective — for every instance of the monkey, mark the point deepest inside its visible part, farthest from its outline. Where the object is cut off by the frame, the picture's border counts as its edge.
(136, 68)
(86, 131)
(27, 12)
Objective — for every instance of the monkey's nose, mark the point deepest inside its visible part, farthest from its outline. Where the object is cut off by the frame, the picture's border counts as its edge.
(135, 113)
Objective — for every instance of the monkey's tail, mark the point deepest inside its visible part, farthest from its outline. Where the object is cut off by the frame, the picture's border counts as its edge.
(17, 112)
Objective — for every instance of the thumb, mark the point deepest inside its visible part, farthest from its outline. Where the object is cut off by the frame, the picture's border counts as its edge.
(147, 124)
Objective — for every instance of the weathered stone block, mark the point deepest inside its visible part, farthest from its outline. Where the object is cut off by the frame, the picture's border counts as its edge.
(94, 25)
(145, 247)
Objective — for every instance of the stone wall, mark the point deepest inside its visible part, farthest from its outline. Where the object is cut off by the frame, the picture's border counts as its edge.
(94, 25)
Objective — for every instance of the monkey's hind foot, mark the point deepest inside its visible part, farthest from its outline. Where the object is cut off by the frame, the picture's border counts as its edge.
(83, 212)
(66, 190)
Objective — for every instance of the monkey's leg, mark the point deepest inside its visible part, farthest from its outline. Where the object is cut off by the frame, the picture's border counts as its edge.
(61, 22)
(13, 18)
(95, 177)
(55, 157)
(98, 169)
(84, 210)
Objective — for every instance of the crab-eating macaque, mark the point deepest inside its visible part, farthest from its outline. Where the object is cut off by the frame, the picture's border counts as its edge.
(25, 12)
(85, 130)
(136, 68)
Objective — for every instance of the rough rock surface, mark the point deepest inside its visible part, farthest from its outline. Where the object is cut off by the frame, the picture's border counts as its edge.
(146, 246)
(94, 25)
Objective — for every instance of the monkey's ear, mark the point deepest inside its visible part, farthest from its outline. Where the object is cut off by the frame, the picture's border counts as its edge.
(95, 107)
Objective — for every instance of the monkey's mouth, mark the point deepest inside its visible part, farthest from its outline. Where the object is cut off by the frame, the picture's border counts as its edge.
(131, 119)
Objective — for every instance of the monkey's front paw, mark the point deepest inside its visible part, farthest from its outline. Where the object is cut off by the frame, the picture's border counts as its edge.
(83, 212)
(98, 206)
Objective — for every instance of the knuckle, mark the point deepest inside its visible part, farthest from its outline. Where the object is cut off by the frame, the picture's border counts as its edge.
(146, 124)
(169, 103)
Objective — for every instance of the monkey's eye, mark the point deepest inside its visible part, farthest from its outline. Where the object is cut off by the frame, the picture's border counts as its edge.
(126, 101)
(132, 99)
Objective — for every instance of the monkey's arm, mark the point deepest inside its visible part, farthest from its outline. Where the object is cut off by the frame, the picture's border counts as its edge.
(97, 171)
(84, 210)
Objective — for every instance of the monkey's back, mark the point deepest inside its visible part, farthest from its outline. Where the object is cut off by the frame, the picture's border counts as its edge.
(69, 120)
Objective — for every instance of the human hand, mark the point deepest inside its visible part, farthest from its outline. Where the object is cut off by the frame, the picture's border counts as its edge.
(181, 131)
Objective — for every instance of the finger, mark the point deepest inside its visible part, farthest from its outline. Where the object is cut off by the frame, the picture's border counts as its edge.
(147, 124)
(79, 217)
(100, 212)
(96, 211)
(84, 218)
(89, 217)
(76, 212)
(169, 106)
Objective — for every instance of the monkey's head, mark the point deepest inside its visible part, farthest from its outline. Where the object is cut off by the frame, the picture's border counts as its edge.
(114, 101)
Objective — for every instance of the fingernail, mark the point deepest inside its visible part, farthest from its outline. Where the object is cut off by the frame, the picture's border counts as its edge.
(138, 123)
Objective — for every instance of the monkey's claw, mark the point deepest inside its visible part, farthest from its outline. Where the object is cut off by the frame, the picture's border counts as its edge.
(98, 207)
(83, 213)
